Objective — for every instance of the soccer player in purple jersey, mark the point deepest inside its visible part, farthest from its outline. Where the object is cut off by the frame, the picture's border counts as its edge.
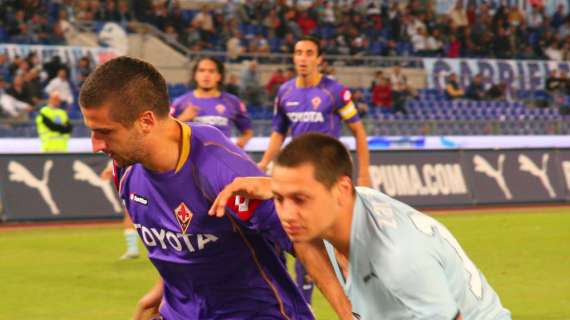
(210, 105)
(312, 102)
(168, 174)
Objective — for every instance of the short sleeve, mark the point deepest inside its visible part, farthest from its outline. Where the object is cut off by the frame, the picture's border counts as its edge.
(178, 105)
(227, 162)
(242, 119)
(345, 107)
(280, 121)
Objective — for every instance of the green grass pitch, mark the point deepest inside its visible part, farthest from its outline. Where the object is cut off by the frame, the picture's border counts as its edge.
(73, 272)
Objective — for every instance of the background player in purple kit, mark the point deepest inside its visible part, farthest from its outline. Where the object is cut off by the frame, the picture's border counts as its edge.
(168, 174)
(311, 102)
(209, 104)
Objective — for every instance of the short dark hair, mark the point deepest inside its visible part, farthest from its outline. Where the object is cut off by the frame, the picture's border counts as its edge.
(130, 85)
(219, 67)
(314, 40)
(329, 157)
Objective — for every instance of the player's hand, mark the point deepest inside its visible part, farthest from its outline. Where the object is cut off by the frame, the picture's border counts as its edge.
(189, 113)
(248, 187)
(148, 305)
(262, 166)
(364, 181)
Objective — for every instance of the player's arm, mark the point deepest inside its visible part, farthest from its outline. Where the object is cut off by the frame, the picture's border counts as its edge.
(314, 257)
(242, 122)
(280, 124)
(362, 153)
(312, 254)
(148, 305)
(275, 143)
(248, 187)
(244, 138)
(188, 114)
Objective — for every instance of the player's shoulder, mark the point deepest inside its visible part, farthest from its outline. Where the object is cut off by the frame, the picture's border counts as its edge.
(232, 100)
(184, 97)
(287, 86)
(331, 83)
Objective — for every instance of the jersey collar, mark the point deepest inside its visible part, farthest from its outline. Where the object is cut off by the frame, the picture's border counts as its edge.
(298, 83)
(185, 147)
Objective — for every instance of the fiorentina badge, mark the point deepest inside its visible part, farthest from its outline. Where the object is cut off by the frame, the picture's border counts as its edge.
(316, 102)
(220, 108)
(184, 216)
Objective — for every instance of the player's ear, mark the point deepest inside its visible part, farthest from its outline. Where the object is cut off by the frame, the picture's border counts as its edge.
(343, 188)
(147, 121)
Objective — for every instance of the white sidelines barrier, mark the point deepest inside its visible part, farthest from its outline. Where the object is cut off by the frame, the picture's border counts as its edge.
(32, 145)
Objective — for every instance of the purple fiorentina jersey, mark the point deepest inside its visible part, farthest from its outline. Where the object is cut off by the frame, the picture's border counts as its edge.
(219, 112)
(321, 108)
(213, 268)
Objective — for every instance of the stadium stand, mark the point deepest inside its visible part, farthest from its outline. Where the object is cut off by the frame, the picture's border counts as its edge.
(352, 29)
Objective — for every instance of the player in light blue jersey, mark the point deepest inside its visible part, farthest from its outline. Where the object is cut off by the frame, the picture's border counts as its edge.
(399, 263)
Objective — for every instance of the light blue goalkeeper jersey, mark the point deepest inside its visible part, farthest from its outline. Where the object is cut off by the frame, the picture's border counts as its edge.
(406, 265)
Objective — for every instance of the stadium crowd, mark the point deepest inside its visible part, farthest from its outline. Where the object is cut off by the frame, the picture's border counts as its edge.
(489, 29)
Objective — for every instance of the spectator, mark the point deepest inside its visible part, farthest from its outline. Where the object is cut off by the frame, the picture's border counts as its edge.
(234, 47)
(558, 17)
(259, 44)
(476, 91)
(378, 75)
(5, 73)
(12, 107)
(83, 70)
(452, 89)
(232, 85)
(204, 22)
(53, 66)
(434, 45)
(497, 91)
(382, 94)
(458, 16)
(306, 23)
(288, 44)
(33, 87)
(401, 91)
(60, 84)
(420, 42)
(277, 78)
(289, 73)
(18, 90)
(454, 49)
(360, 103)
(251, 90)
(124, 14)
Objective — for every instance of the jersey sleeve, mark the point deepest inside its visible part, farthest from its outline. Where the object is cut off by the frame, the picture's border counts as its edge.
(227, 162)
(178, 105)
(242, 119)
(344, 105)
(280, 121)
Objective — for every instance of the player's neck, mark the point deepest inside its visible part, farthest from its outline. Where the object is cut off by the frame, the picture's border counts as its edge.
(310, 80)
(165, 147)
(339, 234)
(206, 93)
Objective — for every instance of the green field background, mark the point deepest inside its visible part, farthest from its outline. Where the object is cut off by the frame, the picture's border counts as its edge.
(74, 273)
